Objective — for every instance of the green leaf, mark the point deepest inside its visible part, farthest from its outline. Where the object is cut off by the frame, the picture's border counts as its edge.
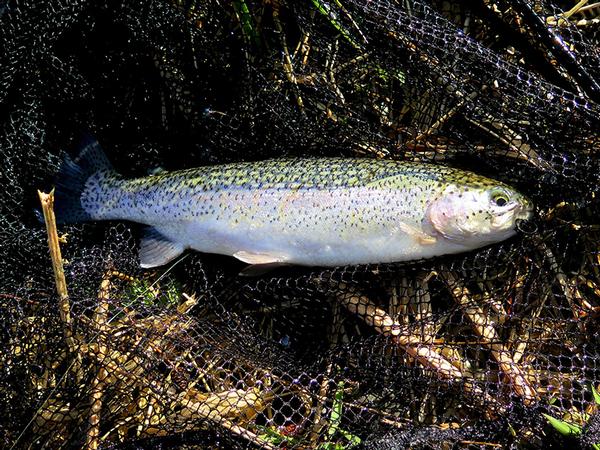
(354, 440)
(336, 410)
(243, 12)
(596, 395)
(273, 436)
(325, 10)
(564, 428)
(331, 446)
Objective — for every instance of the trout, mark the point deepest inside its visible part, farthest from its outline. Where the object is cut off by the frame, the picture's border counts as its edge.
(311, 212)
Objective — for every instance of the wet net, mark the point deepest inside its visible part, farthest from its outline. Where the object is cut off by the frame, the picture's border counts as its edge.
(497, 348)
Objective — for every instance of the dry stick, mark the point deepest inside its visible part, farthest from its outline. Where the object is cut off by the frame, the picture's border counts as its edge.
(288, 65)
(563, 18)
(588, 8)
(445, 117)
(98, 384)
(568, 288)
(575, 9)
(85, 348)
(490, 338)
(529, 155)
(318, 422)
(47, 201)
(587, 22)
(382, 323)
(302, 47)
(331, 72)
(197, 409)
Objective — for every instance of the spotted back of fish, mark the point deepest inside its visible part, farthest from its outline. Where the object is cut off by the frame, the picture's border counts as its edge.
(312, 173)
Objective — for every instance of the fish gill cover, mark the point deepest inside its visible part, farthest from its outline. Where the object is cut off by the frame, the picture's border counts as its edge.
(496, 348)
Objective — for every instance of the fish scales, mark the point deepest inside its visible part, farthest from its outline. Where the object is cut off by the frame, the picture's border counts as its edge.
(322, 211)
(298, 175)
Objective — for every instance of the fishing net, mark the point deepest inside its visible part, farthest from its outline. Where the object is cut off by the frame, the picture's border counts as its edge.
(496, 348)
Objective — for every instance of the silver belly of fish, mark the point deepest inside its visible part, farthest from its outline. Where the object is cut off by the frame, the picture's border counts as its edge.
(321, 228)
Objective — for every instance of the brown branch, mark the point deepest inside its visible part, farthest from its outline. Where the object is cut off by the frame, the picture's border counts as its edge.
(98, 385)
(485, 328)
(413, 345)
(47, 201)
(384, 324)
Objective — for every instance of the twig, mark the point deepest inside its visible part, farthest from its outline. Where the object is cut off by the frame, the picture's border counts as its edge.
(384, 324)
(288, 65)
(574, 9)
(587, 9)
(563, 18)
(331, 72)
(481, 444)
(521, 150)
(446, 116)
(185, 406)
(490, 338)
(98, 384)
(322, 397)
(587, 22)
(411, 344)
(302, 48)
(47, 201)
(86, 349)
(568, 288)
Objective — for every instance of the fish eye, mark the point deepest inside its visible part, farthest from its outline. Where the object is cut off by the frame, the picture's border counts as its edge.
(500, 198)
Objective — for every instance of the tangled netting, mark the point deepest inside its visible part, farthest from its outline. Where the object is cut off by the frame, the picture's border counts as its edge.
(482, 350)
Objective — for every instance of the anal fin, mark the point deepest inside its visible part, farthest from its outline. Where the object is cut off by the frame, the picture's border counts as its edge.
(157, 250)
(258, 258)
(260, 263)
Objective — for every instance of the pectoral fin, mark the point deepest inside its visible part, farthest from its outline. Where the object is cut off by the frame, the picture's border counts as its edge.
(157, 250)
(421, 237)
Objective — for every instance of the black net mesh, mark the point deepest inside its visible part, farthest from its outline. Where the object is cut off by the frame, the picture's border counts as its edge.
(468, 351)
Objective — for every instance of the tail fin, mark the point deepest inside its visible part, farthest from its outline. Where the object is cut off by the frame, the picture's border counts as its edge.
(72, 177)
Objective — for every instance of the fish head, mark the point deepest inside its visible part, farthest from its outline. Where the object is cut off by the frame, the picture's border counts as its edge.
(478, 214)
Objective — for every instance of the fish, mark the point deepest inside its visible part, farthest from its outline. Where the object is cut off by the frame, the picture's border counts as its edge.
(326, 212)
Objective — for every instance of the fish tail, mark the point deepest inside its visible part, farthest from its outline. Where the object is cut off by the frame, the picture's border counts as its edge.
(72, 177)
